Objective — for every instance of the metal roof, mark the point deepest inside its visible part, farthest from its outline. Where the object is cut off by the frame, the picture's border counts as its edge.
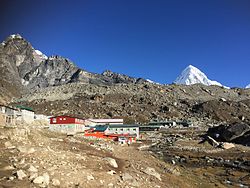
(122, 126)
(117, 126)
(65, 116)
(10, 107)
(24, 108)
(102, 128)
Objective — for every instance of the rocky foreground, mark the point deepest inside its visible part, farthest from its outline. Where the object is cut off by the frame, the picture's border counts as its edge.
(35, 157)
(222, 164)
(39, 158)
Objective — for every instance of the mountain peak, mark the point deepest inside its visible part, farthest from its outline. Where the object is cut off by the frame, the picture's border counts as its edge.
(10, 38)
(192, 75)
(13, 36)
(191, 67)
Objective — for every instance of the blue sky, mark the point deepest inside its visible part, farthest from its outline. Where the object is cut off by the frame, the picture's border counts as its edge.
(150, 39)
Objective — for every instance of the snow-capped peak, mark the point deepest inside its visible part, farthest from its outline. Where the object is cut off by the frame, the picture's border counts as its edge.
(192, 75)
(17, 36)
(11, 37)
(248, 86)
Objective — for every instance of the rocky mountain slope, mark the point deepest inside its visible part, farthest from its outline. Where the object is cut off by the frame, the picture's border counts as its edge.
(24, 68)
(57, 70)
(143, 102)
(17, 58)
(192, 75)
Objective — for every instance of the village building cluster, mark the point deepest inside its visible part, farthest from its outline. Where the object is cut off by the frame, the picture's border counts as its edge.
(11, 115)
(96, 128)
(114, 129)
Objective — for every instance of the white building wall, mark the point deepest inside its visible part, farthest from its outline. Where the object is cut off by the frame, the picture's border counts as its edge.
(125, 130)
(93, 122)
(27, 116)
(67, 128)
(42, 117)
(2, 109)
(10, 114)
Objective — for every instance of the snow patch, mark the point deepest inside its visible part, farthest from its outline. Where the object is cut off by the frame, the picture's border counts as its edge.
(150, 81)
(248, 86)
(41, 54)
(38, 52)
(3, 43)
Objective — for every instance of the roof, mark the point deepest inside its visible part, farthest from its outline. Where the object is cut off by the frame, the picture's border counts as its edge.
(66, 116)
(24, 108)
(10, 107)
(102, 128)
(122, 126)
(106, 120)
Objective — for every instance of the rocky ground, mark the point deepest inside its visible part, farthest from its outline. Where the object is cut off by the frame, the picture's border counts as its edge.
(224, 166)
(142, 102)
(35, 157)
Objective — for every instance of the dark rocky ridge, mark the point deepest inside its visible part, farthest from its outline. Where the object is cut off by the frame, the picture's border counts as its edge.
(51, 72)
(122, 78)
(57, 70)
(17, 58)
(23, 68)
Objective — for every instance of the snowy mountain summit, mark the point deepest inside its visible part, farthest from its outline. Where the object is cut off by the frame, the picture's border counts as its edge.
(192, 75)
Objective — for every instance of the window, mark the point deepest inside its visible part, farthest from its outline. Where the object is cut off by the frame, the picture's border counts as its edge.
(54, 120)
(64, 118)
(60, 118)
